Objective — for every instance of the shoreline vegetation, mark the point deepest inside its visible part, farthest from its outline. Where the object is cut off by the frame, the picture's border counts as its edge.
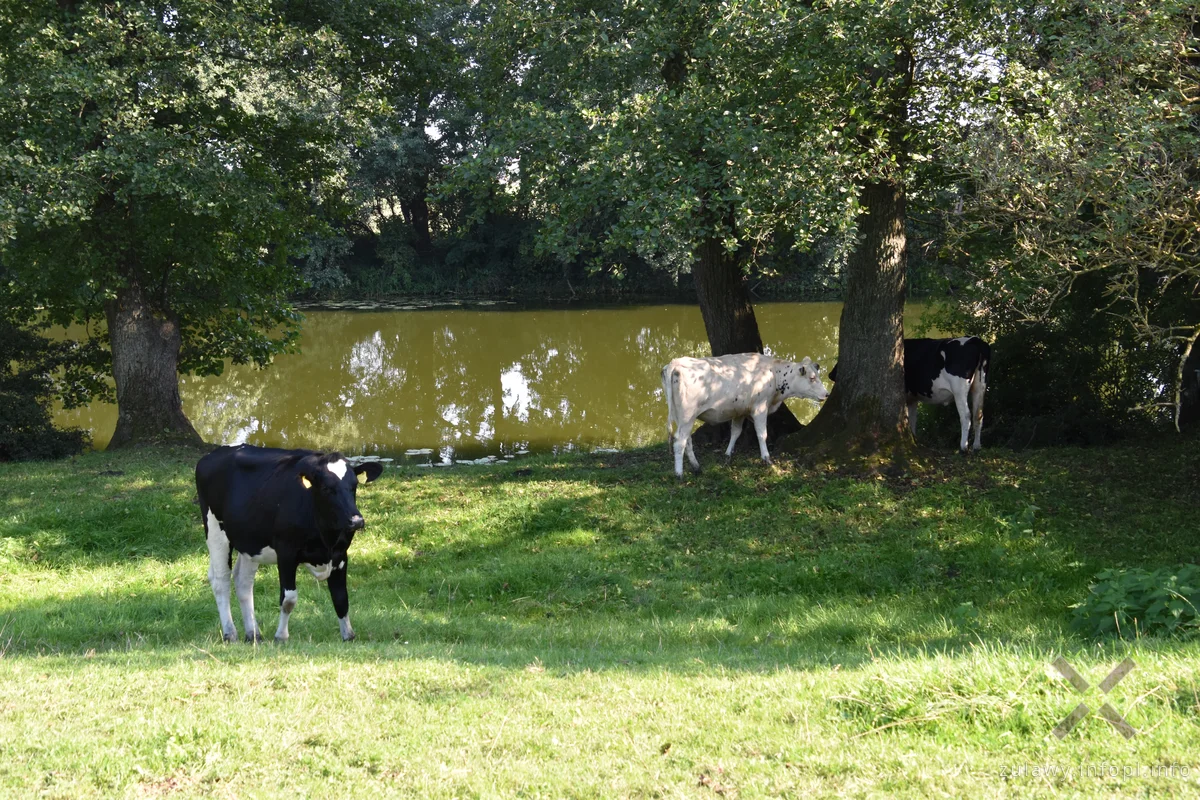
(586, 625)
(541, 298)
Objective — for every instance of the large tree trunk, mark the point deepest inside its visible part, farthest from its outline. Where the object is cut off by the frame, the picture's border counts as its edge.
(865, 417)
(732, 327)
(145, 355)
(725, 305)
(866, 411)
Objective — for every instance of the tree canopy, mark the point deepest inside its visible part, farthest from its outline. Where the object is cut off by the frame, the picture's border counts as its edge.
(160, 164)
(1080, 219)
(174, 175)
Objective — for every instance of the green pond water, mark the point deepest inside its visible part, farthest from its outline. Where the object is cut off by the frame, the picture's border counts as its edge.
(438, 385)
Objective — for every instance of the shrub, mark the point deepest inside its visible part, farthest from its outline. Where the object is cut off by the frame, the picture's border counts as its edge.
(33, 372)
(1135, 602)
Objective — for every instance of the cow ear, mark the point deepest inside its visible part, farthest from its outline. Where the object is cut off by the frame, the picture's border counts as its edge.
(305, 482)
(371, 470)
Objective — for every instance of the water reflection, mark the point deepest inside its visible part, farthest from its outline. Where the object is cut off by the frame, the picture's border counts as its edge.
(446, 384)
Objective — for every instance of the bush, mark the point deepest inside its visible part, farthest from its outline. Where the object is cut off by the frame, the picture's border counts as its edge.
(35, 371)
(1081, 378)
(1134, 602)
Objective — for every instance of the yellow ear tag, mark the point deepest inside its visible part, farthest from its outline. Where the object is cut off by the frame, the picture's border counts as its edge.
(362, 477)
(307, 483)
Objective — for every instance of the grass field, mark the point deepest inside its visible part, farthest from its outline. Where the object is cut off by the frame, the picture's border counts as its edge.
(589, 626)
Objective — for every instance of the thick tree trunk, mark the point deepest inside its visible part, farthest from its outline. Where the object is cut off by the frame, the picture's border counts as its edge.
(866, 411)
(732, 327)
(725, 305)
(145, 355)
(419, 218)
(865, 418)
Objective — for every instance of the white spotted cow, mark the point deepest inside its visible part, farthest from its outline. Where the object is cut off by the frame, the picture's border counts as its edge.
(729, 389)
(283, 507)
(939, 371)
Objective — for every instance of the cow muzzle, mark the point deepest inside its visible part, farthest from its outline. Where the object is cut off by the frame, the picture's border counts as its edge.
(357, 523)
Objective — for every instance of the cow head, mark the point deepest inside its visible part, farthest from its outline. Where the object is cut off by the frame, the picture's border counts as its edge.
(800, 380)
(332, 483)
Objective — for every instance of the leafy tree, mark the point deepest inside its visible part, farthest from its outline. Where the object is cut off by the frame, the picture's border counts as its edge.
(711, 128)
(610, 124)
(1081, 215)
(159, 163)
(414, 58)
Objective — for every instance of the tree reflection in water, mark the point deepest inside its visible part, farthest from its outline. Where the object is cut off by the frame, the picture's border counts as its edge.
(467, 383)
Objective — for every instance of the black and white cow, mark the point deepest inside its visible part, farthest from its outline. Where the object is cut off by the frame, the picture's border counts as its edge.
(941, 370)
(284, 507)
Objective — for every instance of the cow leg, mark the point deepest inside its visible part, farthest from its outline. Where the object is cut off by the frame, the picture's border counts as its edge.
(683, 446)
(912, 417)
(218, 573)
(341, 599)
(287, 595)
(679, 446)
(735, 430)
(243, 582)
(964, 414)
(691, 454)
(760, 428)
(978, 388)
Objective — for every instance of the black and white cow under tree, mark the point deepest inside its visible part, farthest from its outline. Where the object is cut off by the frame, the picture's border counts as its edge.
(939, 371)
(283, 507)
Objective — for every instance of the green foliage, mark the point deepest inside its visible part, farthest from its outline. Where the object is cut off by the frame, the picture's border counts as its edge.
(321, 266)
(638, 128)
(1078, 227)
(1139, 602)
(180, 149)
(35, 371)
(1075, 377)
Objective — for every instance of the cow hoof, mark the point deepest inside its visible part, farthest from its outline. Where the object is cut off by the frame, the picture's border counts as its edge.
(230, 637)
(281, 640)
(350, 638)
(254, 638)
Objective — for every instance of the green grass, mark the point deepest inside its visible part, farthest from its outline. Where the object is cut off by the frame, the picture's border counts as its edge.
(596, 628)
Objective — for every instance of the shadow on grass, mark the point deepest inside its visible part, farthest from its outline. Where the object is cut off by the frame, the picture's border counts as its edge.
(56, 515)
(609, 562)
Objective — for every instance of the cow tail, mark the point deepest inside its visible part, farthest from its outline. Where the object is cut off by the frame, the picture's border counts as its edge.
(985, 357)
(670, 381)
